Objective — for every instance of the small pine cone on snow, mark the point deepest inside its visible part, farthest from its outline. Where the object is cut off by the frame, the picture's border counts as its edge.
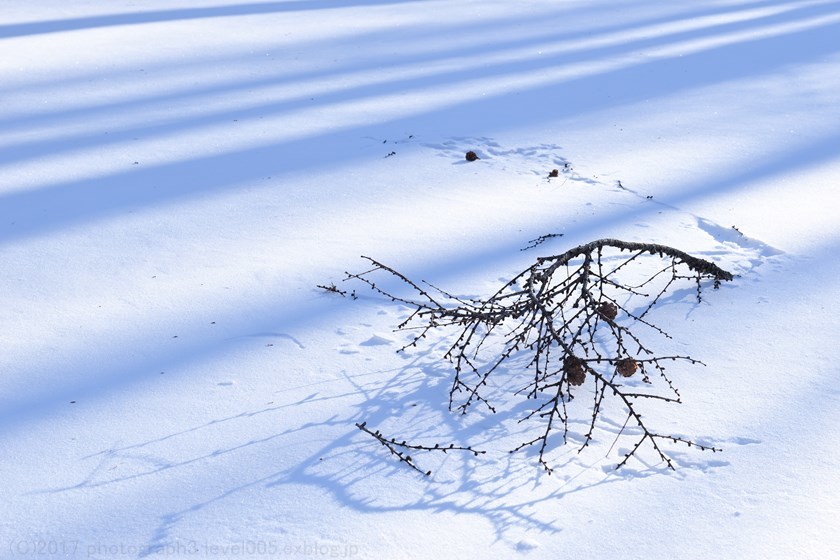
(472, 156)
(575, 374)
(607, 310)
(626, 367)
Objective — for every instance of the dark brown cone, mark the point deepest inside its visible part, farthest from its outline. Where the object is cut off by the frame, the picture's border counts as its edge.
(554, 173)
(472, 156)
(607, 311)
(575, 374)
(626, 367)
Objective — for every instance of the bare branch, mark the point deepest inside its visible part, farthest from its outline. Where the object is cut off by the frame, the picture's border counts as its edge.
(571, 320)
(394, 447)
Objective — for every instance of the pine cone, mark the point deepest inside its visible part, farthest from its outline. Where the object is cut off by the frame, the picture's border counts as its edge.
(575, 374)
(608, 311)
(554, 173)
(626, 367)
(472, 156)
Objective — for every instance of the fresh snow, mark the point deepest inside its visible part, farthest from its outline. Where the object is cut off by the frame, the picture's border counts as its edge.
(177, 178)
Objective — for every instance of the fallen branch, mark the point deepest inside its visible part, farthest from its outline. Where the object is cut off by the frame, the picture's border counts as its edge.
(394, 447)
(568, 322)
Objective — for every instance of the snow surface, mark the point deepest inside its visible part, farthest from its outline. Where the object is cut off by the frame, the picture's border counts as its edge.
(177, 177)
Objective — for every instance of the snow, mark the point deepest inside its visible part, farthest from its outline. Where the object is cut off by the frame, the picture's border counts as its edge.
(176, 178)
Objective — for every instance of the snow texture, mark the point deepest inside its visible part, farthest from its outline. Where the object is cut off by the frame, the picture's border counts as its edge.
(177, 177)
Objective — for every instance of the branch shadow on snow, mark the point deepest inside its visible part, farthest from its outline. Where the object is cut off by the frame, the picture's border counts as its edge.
(510, 491)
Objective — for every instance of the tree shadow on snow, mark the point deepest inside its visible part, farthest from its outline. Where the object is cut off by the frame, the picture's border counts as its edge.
(63, 203)
(178, 14)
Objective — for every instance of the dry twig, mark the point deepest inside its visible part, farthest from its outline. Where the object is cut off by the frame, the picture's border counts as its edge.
(572, 321)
